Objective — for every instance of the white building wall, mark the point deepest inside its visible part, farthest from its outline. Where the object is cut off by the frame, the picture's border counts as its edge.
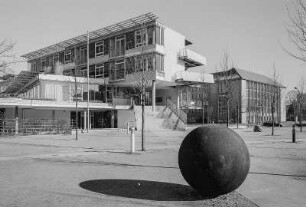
(173, 42)
(125, 116)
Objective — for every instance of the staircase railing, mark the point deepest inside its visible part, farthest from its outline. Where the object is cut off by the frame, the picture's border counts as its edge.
(178, 112)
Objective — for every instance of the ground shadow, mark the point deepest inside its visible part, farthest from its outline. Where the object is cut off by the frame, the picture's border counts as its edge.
(142, 189)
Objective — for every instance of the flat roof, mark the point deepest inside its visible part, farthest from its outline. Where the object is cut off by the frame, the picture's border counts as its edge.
(136, 21)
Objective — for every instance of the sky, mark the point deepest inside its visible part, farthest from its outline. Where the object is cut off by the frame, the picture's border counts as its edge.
(252, 32)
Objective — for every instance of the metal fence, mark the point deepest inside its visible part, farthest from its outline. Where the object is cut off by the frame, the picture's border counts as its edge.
(34, 126)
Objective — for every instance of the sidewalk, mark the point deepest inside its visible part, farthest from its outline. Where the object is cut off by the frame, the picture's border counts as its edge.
(277, 175)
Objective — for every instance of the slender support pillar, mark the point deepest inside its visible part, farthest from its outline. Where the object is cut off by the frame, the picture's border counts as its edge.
(132, 140)
(178, 99)
(153, 95)
(16, 120)
(85, 120)
(112, 118)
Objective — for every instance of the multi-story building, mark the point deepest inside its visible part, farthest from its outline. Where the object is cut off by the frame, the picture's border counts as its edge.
(104, 66)
(251, 97)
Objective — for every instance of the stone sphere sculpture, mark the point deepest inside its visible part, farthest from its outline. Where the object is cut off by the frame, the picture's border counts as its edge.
(214, 160)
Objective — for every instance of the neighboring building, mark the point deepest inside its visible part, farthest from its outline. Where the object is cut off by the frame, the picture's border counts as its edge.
(250, 97)
(118, 55)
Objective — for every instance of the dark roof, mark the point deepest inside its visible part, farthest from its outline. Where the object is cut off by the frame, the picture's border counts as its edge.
(250, 76)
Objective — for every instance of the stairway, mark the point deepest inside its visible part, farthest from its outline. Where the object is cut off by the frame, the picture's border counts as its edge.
(162, 118)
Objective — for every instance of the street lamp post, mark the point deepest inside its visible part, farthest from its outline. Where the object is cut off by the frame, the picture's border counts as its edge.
(299, 104)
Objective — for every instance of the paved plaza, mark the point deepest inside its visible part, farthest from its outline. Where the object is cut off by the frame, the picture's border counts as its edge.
(98, 170)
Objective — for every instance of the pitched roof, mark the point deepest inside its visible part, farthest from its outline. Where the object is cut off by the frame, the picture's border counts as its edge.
(251, 76)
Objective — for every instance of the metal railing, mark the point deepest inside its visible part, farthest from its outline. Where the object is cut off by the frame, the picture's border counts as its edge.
(177, 111)
(33, 126)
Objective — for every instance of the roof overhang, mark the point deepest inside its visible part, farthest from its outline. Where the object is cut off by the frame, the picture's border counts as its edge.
(127, 24)
(8, 102)
(191, 58)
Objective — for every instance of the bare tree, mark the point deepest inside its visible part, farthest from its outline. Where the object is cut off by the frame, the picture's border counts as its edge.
(6, 56)
(226, 83)
(275, 96)
(204, 94)
(142, 75)
(291, 101)
(141, 80)
(297, 30)
(300, 101)
(74, 84)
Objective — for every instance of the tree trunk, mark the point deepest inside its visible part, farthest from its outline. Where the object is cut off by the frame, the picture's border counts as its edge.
(143, 123)
(203, 110)
(272, 121)
(301, 127)
(227, 114)
(237, 116)
(76, 106)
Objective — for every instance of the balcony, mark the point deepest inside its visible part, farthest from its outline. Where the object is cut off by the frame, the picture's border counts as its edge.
(192, 59)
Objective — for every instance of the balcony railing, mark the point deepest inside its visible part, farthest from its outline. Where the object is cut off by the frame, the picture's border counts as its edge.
(191, 58)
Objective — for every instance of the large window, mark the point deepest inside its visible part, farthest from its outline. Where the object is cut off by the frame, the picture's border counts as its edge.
(119, 69)
(159, 35)
(129, 62)
(130, 40)
(68, 56)
(100, 70)
(159, 61)
(92, 72)
(83, 55)
(151, 35)
(99, 48)
(139, 63)
(43, 65)
(55, 59)
(140, 37)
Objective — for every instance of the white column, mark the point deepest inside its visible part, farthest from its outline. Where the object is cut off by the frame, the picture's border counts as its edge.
(153, 94)
(178, 98)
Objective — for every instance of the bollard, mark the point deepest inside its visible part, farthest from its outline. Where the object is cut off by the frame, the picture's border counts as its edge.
(132, 140)
(293, 133)
(127, 128)
(16, 125)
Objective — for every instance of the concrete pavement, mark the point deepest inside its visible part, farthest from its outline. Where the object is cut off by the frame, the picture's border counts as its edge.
(48, 170)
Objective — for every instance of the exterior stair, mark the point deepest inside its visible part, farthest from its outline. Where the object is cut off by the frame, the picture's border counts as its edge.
(162, 118)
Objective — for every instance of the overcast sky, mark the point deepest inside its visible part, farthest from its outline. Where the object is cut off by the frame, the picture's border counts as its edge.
(251, 31)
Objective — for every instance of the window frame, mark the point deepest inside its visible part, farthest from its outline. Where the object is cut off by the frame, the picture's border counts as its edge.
(67, 54)
(99, 44)
(99, 67)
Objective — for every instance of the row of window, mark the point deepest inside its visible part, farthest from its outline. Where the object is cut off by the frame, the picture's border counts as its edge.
(114, 47)
(117, 70)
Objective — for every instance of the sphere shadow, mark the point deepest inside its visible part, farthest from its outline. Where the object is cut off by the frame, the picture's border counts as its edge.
(142, 189)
